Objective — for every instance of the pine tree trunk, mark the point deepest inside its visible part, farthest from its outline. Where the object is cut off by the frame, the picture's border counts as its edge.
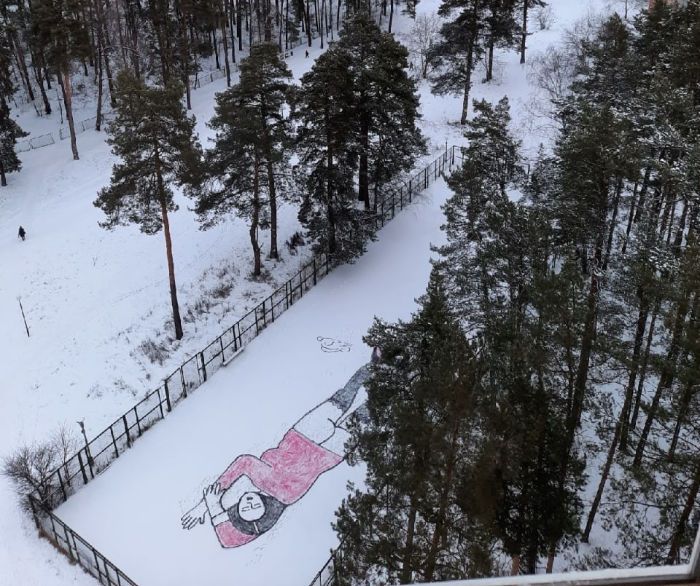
(667, 376)
(605, 473)
(255, 220)
(489, 67)
(363, 179)
(467, 83)
(587, 341)
(391, 16)
(36, 66)
(682, 525)
(224, 40)
(431, 558)
(642, 194)
(168, 250)
(98, 115)
(550, 559)
(613, 222)
(104, 44)
(239, 24)
(682, 413)
(523, 38)
(273, 209)
(3, 178)
(515, 565)
(644, 366)
(407, 566)
(22, 65)
(634, 366)
(64, 79)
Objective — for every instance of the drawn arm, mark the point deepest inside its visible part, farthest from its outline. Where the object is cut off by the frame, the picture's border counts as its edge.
(226, 533)
(255, 469)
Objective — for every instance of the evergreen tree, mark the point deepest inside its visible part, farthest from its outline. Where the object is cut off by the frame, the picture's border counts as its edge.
(386, 104)
(9, 133)
(9, 129)
(526, 6)
(250, 154)
(460, 48)
(500, 30)
(59, 27)
(155, 140)
(328, 158)
(417, 443)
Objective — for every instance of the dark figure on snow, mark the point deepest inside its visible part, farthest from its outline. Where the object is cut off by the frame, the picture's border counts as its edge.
(307, 54)
(21, 234)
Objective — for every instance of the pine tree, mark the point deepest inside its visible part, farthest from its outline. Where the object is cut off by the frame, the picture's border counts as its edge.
(9, 133)
(59, 27)
(9, 129)
(155, 140)
(526, 6)
(250, 154)
(501, 30)
(406, 525)
(386, 104)
(328, 158)
(460, 48)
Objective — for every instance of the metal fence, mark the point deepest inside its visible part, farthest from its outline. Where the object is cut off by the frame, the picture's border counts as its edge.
(78, 550)
(83, 125)
(113, 441)
(328, 574)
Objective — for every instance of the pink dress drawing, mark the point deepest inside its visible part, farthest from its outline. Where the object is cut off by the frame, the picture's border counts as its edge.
(264, 487)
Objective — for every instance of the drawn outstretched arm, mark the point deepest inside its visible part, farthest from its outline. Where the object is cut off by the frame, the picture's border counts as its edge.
(255, 469)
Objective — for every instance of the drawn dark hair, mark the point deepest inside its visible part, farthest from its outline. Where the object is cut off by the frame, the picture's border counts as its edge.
(273, 511)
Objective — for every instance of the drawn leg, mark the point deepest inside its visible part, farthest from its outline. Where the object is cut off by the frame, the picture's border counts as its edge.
(320, 423)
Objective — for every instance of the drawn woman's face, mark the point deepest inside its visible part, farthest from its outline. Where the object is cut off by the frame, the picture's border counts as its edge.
(251, 507)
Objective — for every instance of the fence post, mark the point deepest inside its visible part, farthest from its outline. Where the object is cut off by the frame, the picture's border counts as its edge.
(138, 422)
(184, 386)
(401, 197)
(97, 564)
(315, 271)
(167, 395)
(160, 404)
(65, 532)
(82, 468)
(114, 442)
(126, 429)
(257, 328)
(221, 343)
(63, 488)
(204, 366)
(410, 189)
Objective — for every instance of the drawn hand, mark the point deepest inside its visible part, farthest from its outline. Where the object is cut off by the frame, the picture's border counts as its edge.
(195, 516)
(212, 498)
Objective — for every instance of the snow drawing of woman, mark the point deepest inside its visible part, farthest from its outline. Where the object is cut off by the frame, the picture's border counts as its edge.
(258, 490)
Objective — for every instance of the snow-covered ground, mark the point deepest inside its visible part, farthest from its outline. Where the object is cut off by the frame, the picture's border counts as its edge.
(92, 297)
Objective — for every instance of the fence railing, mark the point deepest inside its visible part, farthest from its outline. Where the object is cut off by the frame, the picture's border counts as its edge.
(78, 550)
(112, 442)
(83, 125)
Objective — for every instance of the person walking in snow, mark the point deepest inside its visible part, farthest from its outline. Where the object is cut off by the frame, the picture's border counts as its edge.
(262, 488)
(21, 233)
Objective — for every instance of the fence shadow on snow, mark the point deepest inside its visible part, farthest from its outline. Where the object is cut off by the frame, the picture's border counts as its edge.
(112, 442)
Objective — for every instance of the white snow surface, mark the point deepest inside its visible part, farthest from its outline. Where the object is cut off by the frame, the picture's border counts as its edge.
(91, 297)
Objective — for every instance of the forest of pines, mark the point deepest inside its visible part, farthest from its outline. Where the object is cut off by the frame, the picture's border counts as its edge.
(547, 385)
